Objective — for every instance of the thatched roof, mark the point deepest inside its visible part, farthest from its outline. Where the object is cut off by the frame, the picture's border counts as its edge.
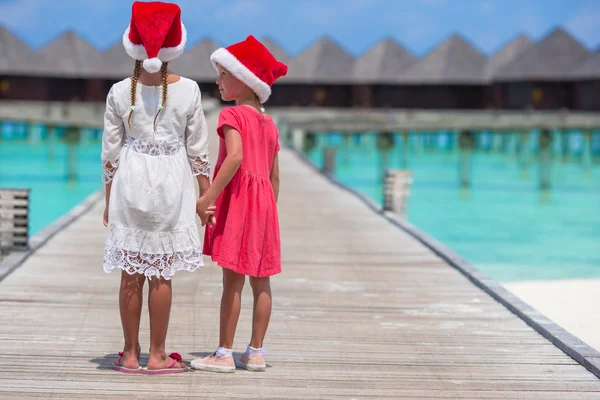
(556, 57)
(71, 56)
(323, 62)
(17, 58)
(383, 63)
(195, 62)
(276, 50)
(454, 61)
(552, 58)
(506, 55)
(589, 69)
(117, 63)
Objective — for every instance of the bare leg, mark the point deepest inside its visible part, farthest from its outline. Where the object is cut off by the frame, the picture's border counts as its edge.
(261, 289)
(231, 302)
(159, 306)
(130, 306)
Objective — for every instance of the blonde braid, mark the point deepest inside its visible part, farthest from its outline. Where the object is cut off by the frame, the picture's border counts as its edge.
(261, 109)
(165, 88)
(134, 80)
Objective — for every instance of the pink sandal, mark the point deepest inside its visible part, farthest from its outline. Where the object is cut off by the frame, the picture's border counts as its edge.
(118, 366)
(169, 370)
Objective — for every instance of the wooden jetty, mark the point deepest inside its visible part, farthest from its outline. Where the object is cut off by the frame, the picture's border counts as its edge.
(321, 120)
(362, 310)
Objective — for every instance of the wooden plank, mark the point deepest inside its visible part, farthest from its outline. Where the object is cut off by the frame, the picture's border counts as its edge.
(12, 202)
(361, 310)
(14, 193)
(13, 213)
(15, 230)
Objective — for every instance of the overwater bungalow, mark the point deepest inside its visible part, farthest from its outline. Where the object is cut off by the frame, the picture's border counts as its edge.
(539, 77)
(554, 73)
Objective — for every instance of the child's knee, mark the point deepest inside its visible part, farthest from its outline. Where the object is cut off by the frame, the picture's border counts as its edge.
(158, 282)
(260, 284)
(132, 279)
(233, 281)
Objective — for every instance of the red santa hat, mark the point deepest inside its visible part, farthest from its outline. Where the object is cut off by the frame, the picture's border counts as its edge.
(252, 63)
(155, 34)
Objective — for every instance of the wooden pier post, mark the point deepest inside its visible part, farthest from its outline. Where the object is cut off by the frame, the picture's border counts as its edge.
(565, 135)
(586, 156)
(71, 137)
(34, 135)
(466, 144)
(405, 150)
(297, 137)
(396, 190)
(347, 136)
(384, 143)
(523, 152)
(284, 132)
(51, 132)
(308, 142)
(497, 141)
(545, 158)
(329, 154)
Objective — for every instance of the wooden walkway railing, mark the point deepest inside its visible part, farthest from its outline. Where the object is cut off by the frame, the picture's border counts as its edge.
(14, 219)
(396, 189)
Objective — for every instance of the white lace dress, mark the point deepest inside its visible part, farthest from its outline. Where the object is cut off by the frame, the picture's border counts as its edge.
(152, 212)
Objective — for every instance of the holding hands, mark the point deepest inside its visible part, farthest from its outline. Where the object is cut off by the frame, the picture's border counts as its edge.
(205, 208)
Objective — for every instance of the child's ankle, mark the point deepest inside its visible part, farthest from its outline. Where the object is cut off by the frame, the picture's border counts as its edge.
(135, 348)
(157, 353)
(253, 351)
(223, 352)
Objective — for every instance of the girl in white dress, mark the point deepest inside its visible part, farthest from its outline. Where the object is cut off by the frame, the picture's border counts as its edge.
(155, 140)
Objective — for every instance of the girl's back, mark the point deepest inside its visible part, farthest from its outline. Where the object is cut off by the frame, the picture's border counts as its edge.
(245, 237)
(260, 138)
(171, 122)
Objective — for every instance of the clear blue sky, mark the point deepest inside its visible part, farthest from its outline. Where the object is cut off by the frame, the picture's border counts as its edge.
(295, 24)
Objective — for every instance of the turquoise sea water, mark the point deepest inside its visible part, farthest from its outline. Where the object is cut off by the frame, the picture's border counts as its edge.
(503, 224)
(40, 162)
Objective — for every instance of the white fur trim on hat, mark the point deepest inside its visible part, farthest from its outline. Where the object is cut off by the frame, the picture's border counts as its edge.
(138, 51)
(228, 61)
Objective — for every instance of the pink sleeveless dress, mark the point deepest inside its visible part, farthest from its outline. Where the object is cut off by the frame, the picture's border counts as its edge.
(245, 238)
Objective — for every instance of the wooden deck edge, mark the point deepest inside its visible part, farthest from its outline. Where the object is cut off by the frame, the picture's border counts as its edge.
(15, 259)
(578, 350)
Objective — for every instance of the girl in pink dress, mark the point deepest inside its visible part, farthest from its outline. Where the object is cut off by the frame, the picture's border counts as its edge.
(244, 239)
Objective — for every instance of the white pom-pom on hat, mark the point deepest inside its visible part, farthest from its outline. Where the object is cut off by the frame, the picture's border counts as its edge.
(152, 65)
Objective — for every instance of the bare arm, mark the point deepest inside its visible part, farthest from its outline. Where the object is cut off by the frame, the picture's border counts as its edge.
(275, 176)
(232, 162)
(107, 199)
(203, 184)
